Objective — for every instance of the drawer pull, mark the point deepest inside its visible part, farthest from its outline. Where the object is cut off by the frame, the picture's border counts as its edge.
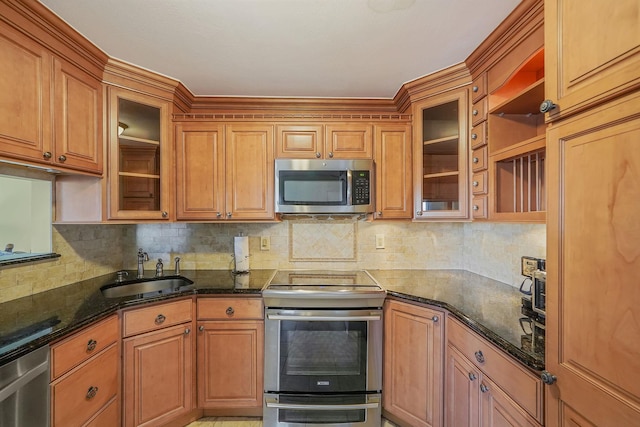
(472, 376)
(160, 318)
(475, 88)
(484, 388)
(201, 328)
(476, 207)
(91, 393)
(479, 356)
(476, 183)
(476, 160)
(474, 136)
(475, 112)
(91, 345)
(187, 331)
(230, 311)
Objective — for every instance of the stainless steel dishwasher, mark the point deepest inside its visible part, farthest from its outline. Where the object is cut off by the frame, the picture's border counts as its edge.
(24, 390)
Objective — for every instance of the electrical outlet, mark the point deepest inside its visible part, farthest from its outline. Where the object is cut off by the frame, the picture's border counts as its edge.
(265, 243)
(379, 241)
(529, 265)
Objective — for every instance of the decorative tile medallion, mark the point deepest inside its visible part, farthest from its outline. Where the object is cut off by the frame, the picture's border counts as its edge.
(322, 241)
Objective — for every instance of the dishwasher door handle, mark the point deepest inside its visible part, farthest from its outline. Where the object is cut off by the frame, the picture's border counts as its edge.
(323, 318)
(273, 403)
(22, 380)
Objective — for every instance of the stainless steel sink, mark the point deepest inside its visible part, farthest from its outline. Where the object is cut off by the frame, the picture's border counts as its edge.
(147, 287)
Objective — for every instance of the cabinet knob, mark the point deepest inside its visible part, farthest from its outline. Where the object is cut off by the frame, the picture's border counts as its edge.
(472, 376)
(317, 155)
(46, 155)
(91, 345)
(165, 214)
(435, 319)
(91, 392)
(331, 155)
(476, 160)
(379, 213)
(474, 112)
(230, 311)
(547, 105)
(474, 136)
(479, 356)
(62, 158)
(187, 331)
(201, 328)
(476, 183)
(228, 214)
(218, 214)
(548, 378)
(475, 88)
(476, 207)
(484, 388)
(160, 318)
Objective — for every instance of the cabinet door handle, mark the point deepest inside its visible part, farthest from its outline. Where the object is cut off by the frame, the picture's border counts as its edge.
(472, 376)
(187, 331)
(91, 345)
(46, 155)
(475, 88)
(230, 311)
(435, 319)
(165, 214)
(201, 328)
(62, 158)
(475, 112)
(547, 105)
(317, 155)
(160, 318)
(331, 154)
(379, 213)
(218, 214)
(548, 378)
(479, 356)
(476, 160)
(228, 214)
(476, 183)
(91, 392)
(484, 388)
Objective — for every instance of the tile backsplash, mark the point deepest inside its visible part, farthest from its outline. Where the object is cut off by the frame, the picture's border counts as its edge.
(489, 249)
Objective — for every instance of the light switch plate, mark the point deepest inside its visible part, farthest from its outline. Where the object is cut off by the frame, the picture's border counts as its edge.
(265, 243)
(379, 241)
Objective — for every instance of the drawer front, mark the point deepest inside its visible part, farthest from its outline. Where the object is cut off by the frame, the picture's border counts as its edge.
(74, 350)
(519, 384)
(156, 317)
(108, 417)
(79, 395)
(479, 87)
(479, 207)
(230, 308)
(479, 159)
(478, 135)
(479, 112)
(479, 182)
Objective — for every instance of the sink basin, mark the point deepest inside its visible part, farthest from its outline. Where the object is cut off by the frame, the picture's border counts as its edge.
(147, 287)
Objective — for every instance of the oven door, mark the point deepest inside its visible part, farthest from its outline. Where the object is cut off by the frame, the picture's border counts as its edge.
(352, 410)
(323, 351)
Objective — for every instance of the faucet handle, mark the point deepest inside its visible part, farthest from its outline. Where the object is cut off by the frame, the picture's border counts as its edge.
(177, 267)
(120, 275)
(159, 268)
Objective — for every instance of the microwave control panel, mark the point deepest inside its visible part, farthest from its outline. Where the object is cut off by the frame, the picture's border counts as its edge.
(361, 194)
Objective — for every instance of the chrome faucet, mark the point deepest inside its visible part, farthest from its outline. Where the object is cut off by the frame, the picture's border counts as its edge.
(159, 268)
(142, 257)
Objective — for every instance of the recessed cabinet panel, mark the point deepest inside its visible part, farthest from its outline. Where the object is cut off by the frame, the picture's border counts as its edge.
(440, 161)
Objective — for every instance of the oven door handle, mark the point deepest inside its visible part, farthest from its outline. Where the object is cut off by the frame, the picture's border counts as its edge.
(323, 318)
(273, 403)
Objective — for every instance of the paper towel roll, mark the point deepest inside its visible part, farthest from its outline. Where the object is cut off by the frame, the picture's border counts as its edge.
(241, 253)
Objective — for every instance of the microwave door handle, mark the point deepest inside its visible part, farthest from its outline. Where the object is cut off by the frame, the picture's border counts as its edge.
(323, 318)
(273, 403)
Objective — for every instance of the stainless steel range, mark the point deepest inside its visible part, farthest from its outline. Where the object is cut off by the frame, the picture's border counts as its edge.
(323, 349)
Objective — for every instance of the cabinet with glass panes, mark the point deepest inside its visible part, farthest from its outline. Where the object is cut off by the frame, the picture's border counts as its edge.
(441, 188)
(139, 156)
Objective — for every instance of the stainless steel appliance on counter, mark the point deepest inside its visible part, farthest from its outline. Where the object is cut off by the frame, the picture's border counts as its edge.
(323, 349)
(24, 390)
(334, 186)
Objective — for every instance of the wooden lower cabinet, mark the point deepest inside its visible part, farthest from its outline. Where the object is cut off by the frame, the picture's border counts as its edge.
(158, 366)
(85, 377)
(413, 361)
(484, 387)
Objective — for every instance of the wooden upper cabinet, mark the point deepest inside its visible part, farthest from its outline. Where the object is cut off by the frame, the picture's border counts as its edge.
(394, 187)
(51, 111)
(140, 152)
(592, 52)
(78, 118)
(200, 168)
(299, 141)
(348, 141)
(249, 171)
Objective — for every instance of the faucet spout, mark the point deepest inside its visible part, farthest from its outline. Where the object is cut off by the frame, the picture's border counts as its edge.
(142, 257)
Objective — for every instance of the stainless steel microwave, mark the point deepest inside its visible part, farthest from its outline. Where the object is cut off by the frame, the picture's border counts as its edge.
(332, 186)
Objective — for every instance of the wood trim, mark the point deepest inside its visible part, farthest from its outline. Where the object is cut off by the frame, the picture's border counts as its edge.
(454, 77)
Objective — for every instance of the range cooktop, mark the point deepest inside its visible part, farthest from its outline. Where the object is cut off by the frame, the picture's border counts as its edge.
(323, 289)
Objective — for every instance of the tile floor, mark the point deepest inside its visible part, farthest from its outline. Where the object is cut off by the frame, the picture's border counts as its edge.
(242, 422)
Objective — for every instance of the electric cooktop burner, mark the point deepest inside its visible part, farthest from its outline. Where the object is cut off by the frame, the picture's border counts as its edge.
(323, 289)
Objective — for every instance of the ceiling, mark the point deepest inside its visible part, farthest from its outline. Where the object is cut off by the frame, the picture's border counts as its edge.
(287, 48)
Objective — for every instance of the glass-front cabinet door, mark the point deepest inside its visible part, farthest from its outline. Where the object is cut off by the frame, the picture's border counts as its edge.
(441, 188)
(139, 156)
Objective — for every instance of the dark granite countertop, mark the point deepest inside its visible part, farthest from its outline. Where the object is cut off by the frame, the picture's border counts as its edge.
(488, 307)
